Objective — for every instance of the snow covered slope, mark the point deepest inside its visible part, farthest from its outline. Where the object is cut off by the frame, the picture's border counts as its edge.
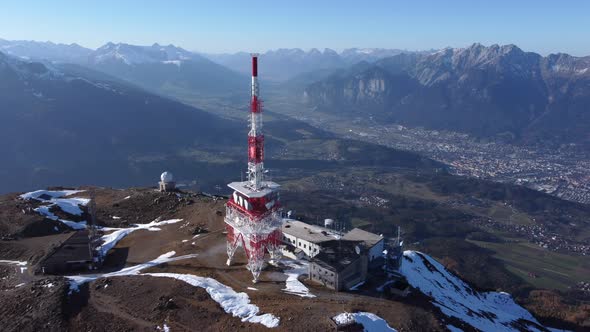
(54, 199)
(486, 311)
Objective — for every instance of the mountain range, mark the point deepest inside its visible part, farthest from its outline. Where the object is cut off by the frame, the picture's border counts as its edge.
(165, 69)
(492, 92)
(495, 91)
(34, 50)
(174, 70)
(287, 63)
(63, 123)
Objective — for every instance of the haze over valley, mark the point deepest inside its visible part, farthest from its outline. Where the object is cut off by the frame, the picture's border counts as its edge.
(426, 102)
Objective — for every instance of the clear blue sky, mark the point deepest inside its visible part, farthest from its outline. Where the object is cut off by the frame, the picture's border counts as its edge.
(543, 26)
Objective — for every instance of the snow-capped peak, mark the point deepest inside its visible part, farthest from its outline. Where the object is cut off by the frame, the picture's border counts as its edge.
(133, 54)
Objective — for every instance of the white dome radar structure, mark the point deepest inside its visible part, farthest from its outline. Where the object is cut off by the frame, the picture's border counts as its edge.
(167, 182)
(329, 223)
(167, 177)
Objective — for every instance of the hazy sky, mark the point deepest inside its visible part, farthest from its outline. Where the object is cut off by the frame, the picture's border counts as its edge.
(543, 26)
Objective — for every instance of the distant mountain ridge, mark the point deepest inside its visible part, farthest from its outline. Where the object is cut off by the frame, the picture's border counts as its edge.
(152, 66)
(169, 70)
(34, 50)
(485, 91)
(286, 63)
(164, 69)
(133, 54)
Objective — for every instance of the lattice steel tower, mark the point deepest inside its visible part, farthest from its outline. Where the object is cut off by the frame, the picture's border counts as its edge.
(253, 213)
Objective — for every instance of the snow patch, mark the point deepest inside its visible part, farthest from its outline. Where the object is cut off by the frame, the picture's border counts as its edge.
(52, 198)
(369, 321)
(486, 311)
(18, 263)
(77, 281)
(164, 328)
(172, 62)
(236, 304)
(111, 240)
(293, 285)
(356, 287)
(51, 193)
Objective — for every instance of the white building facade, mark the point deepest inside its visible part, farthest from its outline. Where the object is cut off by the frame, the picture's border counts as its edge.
(306, 237)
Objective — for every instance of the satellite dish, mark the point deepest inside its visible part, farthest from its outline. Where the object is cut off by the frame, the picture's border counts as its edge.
(357, 249)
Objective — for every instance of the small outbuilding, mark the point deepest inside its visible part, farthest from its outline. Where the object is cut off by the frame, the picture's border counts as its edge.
(167, 182)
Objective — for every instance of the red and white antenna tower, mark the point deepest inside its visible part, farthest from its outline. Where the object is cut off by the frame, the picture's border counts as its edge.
(253, 213)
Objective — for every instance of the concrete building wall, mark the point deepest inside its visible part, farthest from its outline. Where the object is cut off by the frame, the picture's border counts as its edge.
(353, 274)
(343, 280)
(323, 276)
(377, 250)
(167, 186)
(310, 249)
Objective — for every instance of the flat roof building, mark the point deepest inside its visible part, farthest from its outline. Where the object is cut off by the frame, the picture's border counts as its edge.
(306, 237)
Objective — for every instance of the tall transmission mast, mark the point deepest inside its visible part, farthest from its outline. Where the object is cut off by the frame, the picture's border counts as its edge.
(253, 213)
